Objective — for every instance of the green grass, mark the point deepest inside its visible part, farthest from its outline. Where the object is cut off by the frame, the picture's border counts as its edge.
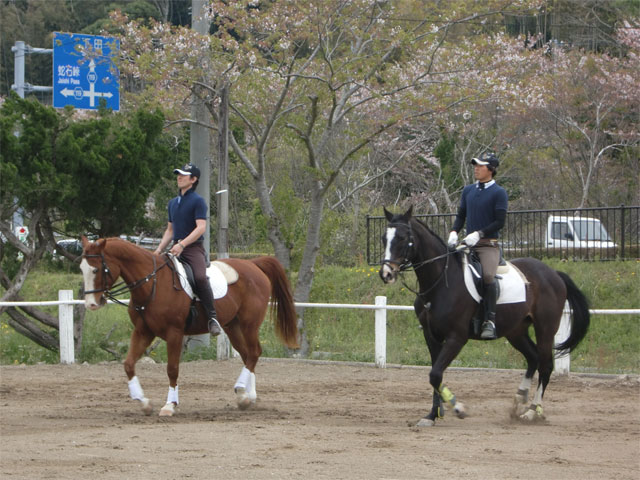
(611, 346)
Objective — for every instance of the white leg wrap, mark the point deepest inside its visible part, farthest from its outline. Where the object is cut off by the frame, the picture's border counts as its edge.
(253, 395)
(135, 390)
(537, 398)
(172, 396)
(244, 379)
(525, 384)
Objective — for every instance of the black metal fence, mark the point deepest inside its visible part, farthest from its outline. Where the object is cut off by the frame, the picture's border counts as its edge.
(606, 233)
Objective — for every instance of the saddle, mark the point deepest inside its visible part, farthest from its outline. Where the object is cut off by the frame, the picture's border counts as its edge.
(476, 269)
(510, 284)
(220, 276)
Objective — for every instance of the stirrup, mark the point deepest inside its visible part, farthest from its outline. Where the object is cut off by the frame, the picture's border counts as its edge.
(214, 327)
(488, 331)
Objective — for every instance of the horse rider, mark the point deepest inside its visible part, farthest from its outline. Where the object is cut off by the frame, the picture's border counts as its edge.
(484, 207)
(186, 227)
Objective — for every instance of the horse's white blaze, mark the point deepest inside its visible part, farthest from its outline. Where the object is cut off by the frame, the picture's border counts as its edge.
(91, 300)
(387, 271)
(391, 233)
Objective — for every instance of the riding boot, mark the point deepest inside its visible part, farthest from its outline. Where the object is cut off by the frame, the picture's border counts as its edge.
(214, 327)
(206, 297)
(489, 325)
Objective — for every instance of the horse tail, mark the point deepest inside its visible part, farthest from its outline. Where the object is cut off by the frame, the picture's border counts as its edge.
(282, 307)
(581, 317)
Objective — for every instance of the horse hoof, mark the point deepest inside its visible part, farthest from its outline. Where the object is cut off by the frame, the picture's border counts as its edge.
(532, 415)
(244, 401)
(425, 422)
(519, 408)
(459, 410)
(146, 406)
(528, 416)
(168, 410)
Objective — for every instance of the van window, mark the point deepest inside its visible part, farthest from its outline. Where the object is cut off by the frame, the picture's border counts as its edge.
(590, 230)
(559, 230)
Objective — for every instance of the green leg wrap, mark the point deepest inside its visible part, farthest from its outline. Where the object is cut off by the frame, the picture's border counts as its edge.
(447, 396)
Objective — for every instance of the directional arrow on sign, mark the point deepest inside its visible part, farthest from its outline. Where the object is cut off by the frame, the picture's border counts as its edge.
(69, 93)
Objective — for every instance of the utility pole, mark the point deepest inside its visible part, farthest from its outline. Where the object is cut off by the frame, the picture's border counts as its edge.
(223, 174)
(199, 155)
(199, 146)
(21, 50)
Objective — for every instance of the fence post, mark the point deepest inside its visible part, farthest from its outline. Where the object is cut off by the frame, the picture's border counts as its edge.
(65, 317)
(562, 364)
(381, 332)
(222, 347)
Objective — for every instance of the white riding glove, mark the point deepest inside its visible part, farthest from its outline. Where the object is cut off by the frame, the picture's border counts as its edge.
(453, 239)
(471, 239)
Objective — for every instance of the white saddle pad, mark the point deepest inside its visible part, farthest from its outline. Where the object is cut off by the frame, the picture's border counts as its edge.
(512, 283)
(216, 279)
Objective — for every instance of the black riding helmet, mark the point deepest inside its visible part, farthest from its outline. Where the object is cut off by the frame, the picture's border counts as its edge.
(488, 159)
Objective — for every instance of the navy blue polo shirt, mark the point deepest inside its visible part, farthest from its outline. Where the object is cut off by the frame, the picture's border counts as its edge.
(484, 209)
(184, 210)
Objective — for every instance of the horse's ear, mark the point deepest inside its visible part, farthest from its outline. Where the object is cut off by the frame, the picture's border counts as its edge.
(85, 241)
(101, 243)
(409, 213)
(387, 214)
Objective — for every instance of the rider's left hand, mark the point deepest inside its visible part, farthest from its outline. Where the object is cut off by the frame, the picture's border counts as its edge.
(471, 239)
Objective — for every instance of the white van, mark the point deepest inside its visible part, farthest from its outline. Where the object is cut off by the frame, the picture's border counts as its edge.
(577, 232)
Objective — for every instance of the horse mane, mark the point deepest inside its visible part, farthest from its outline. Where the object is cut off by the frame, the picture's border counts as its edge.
(436, 236)
(430, 231)
(119, 246)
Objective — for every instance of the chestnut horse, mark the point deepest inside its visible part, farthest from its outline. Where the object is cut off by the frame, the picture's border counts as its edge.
(159, 307)
(445, 309)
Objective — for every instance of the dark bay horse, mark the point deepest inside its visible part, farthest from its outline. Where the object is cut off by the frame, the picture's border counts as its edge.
(159, 307)
(445, 309)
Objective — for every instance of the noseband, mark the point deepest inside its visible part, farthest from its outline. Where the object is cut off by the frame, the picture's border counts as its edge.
(406, 263)
(120, 288)
(105, 272)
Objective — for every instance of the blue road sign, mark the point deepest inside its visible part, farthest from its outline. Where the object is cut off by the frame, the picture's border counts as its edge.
(85, 70)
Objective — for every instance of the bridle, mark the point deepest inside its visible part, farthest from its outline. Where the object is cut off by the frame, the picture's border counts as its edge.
(119, 288)
(406, 264)
(105, 272)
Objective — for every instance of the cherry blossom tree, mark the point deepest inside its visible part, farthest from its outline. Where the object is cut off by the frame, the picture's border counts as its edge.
(336, 78)
(595, 101)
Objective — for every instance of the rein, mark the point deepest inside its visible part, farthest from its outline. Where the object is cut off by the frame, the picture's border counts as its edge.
(407, 264)
(122, 287)
(413, 267)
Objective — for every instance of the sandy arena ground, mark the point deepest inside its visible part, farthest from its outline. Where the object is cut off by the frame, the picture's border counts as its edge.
(312, 421)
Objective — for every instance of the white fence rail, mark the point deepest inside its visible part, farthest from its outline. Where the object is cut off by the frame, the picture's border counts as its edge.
(65, 304)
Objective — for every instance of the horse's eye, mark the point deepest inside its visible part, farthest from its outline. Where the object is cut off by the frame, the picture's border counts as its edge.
(95, 270)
